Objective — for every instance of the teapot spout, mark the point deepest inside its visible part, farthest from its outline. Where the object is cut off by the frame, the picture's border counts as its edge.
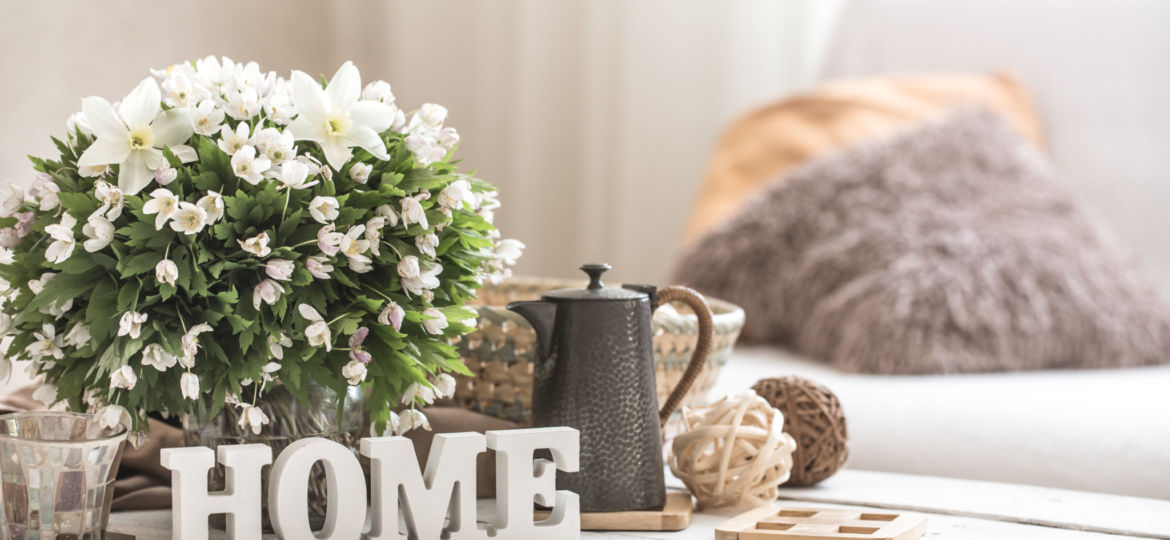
(540, 314)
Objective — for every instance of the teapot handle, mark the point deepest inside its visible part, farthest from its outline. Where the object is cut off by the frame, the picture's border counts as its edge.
(699, 305)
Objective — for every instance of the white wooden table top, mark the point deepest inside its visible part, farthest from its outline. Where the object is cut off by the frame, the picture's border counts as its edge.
(955, 509)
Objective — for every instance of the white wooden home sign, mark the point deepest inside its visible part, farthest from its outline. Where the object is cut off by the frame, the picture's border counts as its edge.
(446, 489)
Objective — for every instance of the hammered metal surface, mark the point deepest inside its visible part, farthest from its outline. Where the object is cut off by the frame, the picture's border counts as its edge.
(599, 379)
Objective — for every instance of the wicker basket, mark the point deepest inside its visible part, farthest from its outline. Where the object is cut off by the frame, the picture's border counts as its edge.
(501, 352)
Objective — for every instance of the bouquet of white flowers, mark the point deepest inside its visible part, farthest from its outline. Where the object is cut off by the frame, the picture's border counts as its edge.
(227, 228)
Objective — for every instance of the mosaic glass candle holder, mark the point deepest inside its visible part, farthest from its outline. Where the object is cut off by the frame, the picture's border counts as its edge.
(58, 473)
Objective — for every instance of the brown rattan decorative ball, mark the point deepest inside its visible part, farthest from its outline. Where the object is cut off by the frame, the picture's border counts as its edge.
(814, 418)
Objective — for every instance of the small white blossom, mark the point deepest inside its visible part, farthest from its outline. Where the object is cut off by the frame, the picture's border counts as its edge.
(411, 419)
(164, 204)
(434, 321)
(323, 209)
(112, 416)
(123, 377)
(257, 245)
(78, 336)
(392, 315)
(232, 141)
(378, 91)
(207, 117)
(165, 175)
(155, 356)
(131, 324)
(179, 91)
(455, 194)
(45, 343)
(189, 219)
(354, 372)
(45, 191)
(78, 122)
(445, 385)
(418, 391)
(412, 212)
(189, 385)
(293, 175)
(319, 266)
(267, 291)
(360, 172)
(329, 241)
(249, 167)
(252, 417)
(213, 205)
(318, 330)
(279, 108)
(7, 256)
(38, 285)
(63, 242)
(279, 269)
(426, 243)
(99, 232)
(353, 246)
(425, 281)
(166, 271)
(46, 394)
(278, 146)
(277, 343)
(408, 267)
(386, 211)
(112, 199)
(11, 199)
(190, 343)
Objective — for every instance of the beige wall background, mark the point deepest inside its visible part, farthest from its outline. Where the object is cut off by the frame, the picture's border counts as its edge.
(594, 118)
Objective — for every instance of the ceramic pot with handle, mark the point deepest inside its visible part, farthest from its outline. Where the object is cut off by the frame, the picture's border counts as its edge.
(595, 372)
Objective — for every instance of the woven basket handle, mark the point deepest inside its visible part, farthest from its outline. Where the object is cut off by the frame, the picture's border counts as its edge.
(699, 305)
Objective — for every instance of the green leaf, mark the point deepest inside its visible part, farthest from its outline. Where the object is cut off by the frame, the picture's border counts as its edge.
(128, 296)
(139, 263)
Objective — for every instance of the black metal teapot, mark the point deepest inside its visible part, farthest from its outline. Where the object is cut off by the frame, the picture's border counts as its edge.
(595, 372)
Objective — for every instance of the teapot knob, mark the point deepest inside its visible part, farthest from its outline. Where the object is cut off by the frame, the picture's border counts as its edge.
(595, 270)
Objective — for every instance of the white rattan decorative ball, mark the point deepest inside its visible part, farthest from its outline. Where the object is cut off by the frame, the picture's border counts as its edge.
(733, 451)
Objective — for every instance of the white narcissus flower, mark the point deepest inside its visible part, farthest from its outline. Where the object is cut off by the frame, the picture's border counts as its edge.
(293, 174)
(280, 269)
(190, 343)
(45, 343)
(412, 212)
(267, 291)
(63, 242)
(323, 209)
(232, 141)
(111, 198)
(99, 232)
(189, 385)
(411, 419)
(252, 417)
(445, 385)
(319, 266)
(155, 356)
(354, 372)
(426, 243)
(418, 391)
(133, 137)
(249, 167)
(213, 205)
(112, 416)
(163, 204)
(207, 117)
(131, 324)
(276, 345)
(318, 330)
(434, 321)
(189, 219)
(166, 271)
(334, 118)
(360, 172)
(78, 336)
(392, 315)
(455, 194)
(257, 245)
(46, 394)
(123, 377)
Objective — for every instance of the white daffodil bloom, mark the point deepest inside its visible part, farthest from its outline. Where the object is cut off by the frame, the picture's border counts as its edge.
(328, 240)
(46, 394)
(318, 330)
(111, 198)
(422, 283)
(293, 174)
(252, 417)
(113, 416)
(411, 419)
(267, 291)
(207, 117)
(434, 321)
(392, 315)
(46, 343)
(189, 385)
(318, 266)
(445, 385)
(133, 137)
(257, 245)
(408, 267)
(155, 356)
(190, 344)
(163, 204)
(11, 199)
(280, 269)
(334, 118)
(63, 242)
(323, 209)
(189, 219)
(213, 205)
(131, 324)
(232, 141)
(275, 145)
(418, 391)
(249, 167)
(412, 212)
(78, 336)
(354, 372)
(360, 172)
(276, 345)
(99, 232)
(123, 377)
(378, 91)
(426, 243)
(166, 271)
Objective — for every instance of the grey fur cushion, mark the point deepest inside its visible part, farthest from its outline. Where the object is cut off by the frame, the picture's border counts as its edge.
(948, 248)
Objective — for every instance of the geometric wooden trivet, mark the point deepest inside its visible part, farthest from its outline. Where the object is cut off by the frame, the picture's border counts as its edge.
(791, 523)
(675, 516)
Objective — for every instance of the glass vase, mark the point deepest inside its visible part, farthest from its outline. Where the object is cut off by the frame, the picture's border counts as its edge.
(58, 471)
(327, 414)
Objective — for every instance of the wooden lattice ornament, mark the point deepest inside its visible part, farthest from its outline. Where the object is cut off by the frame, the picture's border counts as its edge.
(780, 523)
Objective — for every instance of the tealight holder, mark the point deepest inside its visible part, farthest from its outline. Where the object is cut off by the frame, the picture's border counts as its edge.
(57, 471)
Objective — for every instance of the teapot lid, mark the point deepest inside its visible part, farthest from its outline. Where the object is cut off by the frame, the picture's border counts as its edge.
(596, 290)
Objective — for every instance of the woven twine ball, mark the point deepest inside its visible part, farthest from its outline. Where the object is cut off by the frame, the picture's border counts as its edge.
(817, 422)
(733, 451)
